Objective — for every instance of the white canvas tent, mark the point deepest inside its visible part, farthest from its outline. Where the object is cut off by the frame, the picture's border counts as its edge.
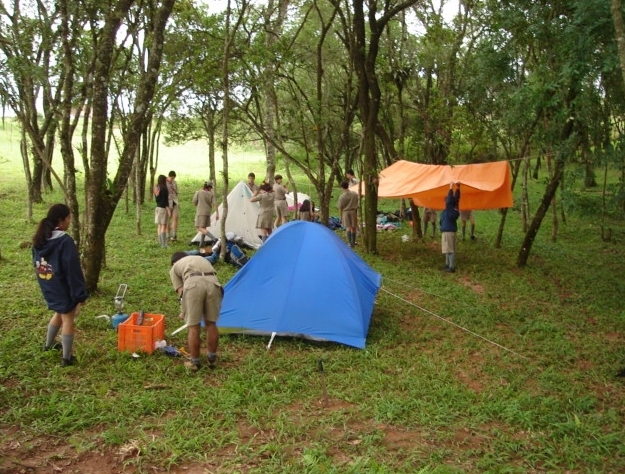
(242, 215)
(241, 218)
(290, 200)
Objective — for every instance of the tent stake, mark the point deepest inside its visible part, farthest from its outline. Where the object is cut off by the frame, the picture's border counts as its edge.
(273, 334)
(323, 383)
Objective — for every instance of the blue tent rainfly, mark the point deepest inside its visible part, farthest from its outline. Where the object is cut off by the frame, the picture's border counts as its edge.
(303, 282)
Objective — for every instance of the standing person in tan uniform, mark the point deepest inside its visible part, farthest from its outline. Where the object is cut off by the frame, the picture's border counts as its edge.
(429, 215)
(174, 205)
(282, 208)
(266, 199)
(252, 185)
(195, 281)
(348, 207)
(351, 177)
(467, 215)
(204, 201)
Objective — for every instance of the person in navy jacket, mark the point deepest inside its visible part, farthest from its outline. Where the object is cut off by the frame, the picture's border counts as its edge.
(57, 267)
(449, 227)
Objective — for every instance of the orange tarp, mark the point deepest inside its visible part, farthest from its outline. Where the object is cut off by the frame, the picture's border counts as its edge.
(483, 186)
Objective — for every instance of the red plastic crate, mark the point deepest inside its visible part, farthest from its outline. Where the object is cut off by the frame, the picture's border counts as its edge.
(133, 338)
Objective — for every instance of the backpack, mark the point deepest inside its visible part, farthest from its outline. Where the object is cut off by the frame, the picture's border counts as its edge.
(234, 255)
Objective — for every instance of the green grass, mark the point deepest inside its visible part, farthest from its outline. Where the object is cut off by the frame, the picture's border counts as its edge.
(424, 396)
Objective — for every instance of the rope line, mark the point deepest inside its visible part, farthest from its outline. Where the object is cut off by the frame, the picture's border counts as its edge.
(454, 324)
(429, 293)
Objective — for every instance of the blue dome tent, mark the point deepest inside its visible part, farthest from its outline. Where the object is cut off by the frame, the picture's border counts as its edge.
(303, 282)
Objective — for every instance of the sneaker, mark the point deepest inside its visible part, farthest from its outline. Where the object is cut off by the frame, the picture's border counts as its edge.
(445, 267)
(450, 270)
(212, 361)
(67, 362)
(192, 366)
(57, 346)
(473, 237)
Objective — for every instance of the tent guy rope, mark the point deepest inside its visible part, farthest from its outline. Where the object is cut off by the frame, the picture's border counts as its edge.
(453, 324)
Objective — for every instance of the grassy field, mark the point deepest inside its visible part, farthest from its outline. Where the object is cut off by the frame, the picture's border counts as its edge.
(491, 369)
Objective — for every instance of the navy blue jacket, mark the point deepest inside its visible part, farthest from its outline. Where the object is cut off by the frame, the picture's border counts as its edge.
(449, 216)
(58, 270)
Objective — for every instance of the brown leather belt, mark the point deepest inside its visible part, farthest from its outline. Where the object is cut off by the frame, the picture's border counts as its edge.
(201, 274)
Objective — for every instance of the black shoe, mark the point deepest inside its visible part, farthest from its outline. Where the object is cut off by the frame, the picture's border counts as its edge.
(621, 373)
(450, 270)
(67, 362)
(212, 362)
(57, 346)
(445, 268)
(473, 237)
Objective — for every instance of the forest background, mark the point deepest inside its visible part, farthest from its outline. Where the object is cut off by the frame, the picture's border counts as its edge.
(320, 87)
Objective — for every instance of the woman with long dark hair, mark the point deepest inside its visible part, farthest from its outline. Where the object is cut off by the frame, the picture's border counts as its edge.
(60, 276)
(162, 211)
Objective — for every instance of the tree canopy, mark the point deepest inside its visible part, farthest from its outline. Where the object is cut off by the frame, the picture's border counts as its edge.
(325, 85)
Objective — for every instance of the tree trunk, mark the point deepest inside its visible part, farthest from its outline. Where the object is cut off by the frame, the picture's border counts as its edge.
(550, 190)
(525, 205)
(230, 33)
(101, 201)
(616, 8)
(29, 180)
(364, 54)
(273, 30)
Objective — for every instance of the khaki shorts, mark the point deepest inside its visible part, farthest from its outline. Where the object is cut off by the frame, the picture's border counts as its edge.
(202, 221)
(175, 211)
(201, 299)
(282, 208)
(466, 216)
(160, 216)
(429, 216)
(448, 242)
(348, 219)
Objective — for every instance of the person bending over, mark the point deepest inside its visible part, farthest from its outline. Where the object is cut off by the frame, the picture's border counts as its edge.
(195, 281)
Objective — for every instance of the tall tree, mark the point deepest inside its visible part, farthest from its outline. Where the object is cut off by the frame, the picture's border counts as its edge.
(29, 39)
(368, 26)
(101, 198)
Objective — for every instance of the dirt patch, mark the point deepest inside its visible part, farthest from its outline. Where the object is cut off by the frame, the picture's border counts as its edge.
(476, 287)
(47, 455)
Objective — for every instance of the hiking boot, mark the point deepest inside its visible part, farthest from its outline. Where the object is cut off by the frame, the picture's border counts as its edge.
(67, 362)
(57, 346)
(212, 361)
(192, 366)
